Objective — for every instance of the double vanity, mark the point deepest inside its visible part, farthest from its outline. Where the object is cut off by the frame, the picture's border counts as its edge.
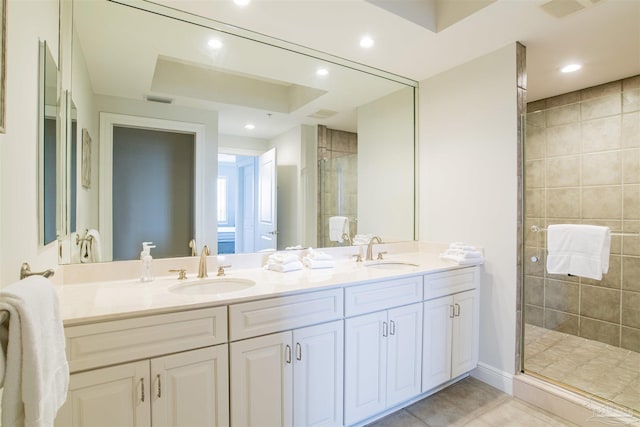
(330, 347)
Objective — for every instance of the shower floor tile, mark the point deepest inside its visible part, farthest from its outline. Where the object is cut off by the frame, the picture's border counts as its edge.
(599, 369)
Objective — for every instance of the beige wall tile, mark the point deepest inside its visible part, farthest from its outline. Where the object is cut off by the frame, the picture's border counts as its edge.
(535, 143)
(534, 315)
(600, 303)
(563, 171)
(534, 290)
(608, 333)
(631, 309)
(563, 115)
(534, 203)
(602, 168)
(563, 140)
(631, 208)
(630, 132)
(631, 273)
(601, 107)
(599, 91)
(631, 101)
(534, 174)
(631, 83)
(563, 203)
(630, 338)
(601, 134)
(631, 166)
(560, 321)
(564, 99)
(561, 296)
(602, 202)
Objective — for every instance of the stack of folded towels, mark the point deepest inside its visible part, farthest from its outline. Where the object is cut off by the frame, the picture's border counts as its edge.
(283, 262)
(318, 259)
(463, 254)
(362, 239)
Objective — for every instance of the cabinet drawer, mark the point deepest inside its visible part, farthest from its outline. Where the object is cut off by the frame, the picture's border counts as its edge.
(381, 295)
(450, 282)
(107, 343)
(278, 314)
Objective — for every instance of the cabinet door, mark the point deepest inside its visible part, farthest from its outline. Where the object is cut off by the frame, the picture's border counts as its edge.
(191, 388)
(107, 397)
(436, 342)
(318, 375)
(465, 333)
(262, 381)
(404, 353)
(365, 366)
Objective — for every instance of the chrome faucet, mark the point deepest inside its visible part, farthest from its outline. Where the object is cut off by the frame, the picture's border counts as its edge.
(369, 256)
(202, 267)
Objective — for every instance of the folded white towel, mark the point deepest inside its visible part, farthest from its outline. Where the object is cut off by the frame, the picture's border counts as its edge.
(318, 263)
(318, 255)
(461, 260)
(362, 239)
(581, 250)
(465, 254)
(462, 246)
(283, 258)
(338, 226)
(37, 374)
(284, 268)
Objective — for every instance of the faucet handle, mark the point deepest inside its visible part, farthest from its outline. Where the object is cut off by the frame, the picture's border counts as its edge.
(221, 269)
(380, 254)
(182, 273)
(358, 257)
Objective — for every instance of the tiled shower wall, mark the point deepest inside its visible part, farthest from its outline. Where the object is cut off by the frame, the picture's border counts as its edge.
(337, 180)
(582, 166)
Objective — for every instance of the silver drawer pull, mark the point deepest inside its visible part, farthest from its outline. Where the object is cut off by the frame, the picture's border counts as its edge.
(392, 328)
(159, 394)
(451, 311)
(287, 354)
(298, 351)
(142, 390)
(457, 312)
(385, 329)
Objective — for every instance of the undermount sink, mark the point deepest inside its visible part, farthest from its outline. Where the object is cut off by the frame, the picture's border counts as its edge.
(218, 285)
(390, 265)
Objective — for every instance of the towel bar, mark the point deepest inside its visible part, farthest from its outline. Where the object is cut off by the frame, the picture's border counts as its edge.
(25, 271)
(536, 229)
(82, 239)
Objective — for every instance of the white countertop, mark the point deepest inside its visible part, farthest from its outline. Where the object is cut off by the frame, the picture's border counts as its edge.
(110, 300)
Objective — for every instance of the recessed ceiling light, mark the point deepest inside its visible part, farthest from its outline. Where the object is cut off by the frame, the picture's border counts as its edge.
(242, 2)
(570, 68)
(249, 126)
(322, 72)
(366, 42)
(215, 43)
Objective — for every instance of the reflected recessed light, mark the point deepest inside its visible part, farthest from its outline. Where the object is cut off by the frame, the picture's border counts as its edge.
(242, 2)
(249, 126)
(366, 42)
(215, 44)
(570, 68)
(322, 72)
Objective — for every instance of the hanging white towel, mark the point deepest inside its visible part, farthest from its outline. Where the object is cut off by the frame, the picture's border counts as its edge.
(33, 345)
(580, 250)
(95, 245)
(338, 226)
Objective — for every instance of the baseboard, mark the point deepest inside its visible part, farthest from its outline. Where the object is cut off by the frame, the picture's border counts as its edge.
(501, 380)
(579, 409)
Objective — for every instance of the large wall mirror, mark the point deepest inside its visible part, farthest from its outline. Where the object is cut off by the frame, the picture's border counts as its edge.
(188, 129)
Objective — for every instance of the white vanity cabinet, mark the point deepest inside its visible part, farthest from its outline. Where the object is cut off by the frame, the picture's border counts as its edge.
(293, 377)
(451, 327)
(383, 349)
(116, 381)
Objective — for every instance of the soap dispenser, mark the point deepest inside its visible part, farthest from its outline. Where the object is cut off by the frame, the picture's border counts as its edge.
(146, 258)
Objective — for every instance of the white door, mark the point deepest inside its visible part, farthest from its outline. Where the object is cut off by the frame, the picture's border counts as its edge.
(262, 381)
(404, 353)
(465, 334)
(115, 396)
(365, 366)
(436, 350)
(318, 375)
(267, 201)
(191, 388)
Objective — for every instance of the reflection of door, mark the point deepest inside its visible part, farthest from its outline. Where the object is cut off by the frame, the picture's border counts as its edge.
(153, 192)
(267, 185)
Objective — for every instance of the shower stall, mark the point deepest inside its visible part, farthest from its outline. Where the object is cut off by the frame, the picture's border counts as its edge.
(582, 166)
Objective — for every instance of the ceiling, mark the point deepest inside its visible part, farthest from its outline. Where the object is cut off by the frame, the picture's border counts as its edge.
(604, 35)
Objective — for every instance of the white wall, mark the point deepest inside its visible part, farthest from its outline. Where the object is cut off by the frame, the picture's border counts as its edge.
(27, 23)
(241, 145)
(468, 183)
(386, 167)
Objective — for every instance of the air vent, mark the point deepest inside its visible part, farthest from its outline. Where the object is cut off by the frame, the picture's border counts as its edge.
(160, 99)
(561, 8)
(323, 114)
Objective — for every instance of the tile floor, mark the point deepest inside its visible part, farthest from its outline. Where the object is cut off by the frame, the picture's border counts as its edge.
(599, 369)
(470, 403)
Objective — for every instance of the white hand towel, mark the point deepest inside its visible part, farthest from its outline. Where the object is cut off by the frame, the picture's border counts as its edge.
(283, 258)
(581, 250)
(95, 245)
(461, 260)
(362, 239)
(37, 374)
(318, 263)
(318, 255)
(338, 225)
(284, 268)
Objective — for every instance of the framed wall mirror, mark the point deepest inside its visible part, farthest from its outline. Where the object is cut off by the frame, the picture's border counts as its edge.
(201, 131)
